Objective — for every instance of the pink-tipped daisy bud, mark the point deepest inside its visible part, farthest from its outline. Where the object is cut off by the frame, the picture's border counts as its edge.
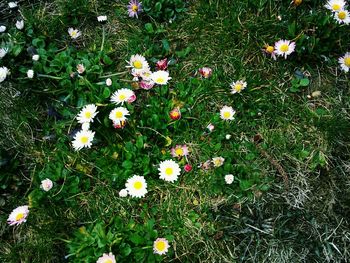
(175, 114)
(188, 168)
(205, 72)
(162, 64)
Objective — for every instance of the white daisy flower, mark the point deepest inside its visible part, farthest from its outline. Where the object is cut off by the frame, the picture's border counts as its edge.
(3, 73)
(227, 113)
(102, 18)
(138, 63)
(284, 48)
(169, 170)
(109, 82)
(2, 29)
(12, 5)
(218, 161)
(35, 57)
(345, 62)
(46, 184)
(228, 136)
(3, 52)
(20, 25)
(136, 186)
(74, 33)
(229, 178)
(123, 193)
(80, 68)
(160, 77)
(123, 95)
(238, 86)
(30, 73)
(335, 5)
(18, 215)
(161, 246)
(343, 16)
(87, 114)
(83, 139)
(106, 258)
(118, 115)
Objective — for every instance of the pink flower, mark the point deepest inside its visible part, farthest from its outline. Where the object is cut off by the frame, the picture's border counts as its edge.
(205, 72)
(80, 68)
(119, 125)
(175, 114)
(162, 64)
(146, 84)
(188, 168)
(132, 98)
(210, 127)
(179, 151)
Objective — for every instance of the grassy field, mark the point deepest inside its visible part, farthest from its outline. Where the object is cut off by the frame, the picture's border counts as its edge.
(288, 150)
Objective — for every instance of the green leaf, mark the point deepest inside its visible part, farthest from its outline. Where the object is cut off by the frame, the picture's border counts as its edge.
(166, 45)
(106, 92)
(158, 7)
(149, 27)
(304, 82)
(139, 142)
(127, 164)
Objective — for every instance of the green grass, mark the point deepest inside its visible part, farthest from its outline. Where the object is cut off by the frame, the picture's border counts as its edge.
(259, 218)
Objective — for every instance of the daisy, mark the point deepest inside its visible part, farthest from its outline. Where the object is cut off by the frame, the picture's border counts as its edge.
(179, 151)
(284, 48)
(160, 246)
(162, 64)
(18, 215)
(123, 95)
(30, 73)
(345, 62)
(188, 168)
(169, 170)
(118, 115)
(146, 84)
(83, 139)
(12, 5)
(134, 8)
(238, 86)
(227, 113)
(80, 68)
(205, 72)
(160, 77)
(210, 127)
(35, 57)
(342, 16)
(123, 193)
(20, 25)
(217, 161)
(2, 29)
(229, 178)
(102, 18)
(145, 74)
(269, 51)
(46, 184)
(106, 258)
(3, 52)
(136, 186)
(335, 5)
(3, 73)
(138, 63)
(87, 114)
(74, 33)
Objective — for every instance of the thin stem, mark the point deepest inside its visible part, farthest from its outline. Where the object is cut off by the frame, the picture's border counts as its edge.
(114, 74)
(103, 37)
(48, 76)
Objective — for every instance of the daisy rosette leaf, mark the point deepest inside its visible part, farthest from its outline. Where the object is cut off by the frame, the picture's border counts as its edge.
(119, 115)
(345, 62)
(169, 171)
(284, 48)
(18, 215)
(123, 95)
(227, 113)
(106, 258)
(238, 86)
(136, 186)
(161, 246)
(87, 114)
(83, 139)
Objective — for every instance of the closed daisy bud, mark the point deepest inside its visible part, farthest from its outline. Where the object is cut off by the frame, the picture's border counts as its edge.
(13, 5)
(210, 127)
(175, 114)
(146, 84)
(80, 68)
(188, 168)
(4, 71)
(228, 136)
(46, 184)
(229, 178)
(297, 2)
(162, 64)
(2, 29)
(205, 72)
(35, 57)
(123, 193)
(30, 73)
(109, 82)
(20, 25)
(3, 52)
(102, 19)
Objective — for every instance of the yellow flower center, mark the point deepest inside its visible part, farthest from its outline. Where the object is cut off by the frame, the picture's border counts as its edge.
(169, 171)
(179, 152)
(270, 49)
(119, 114)
(160, 80)
(347, 61)
(108, 261)
(336, 7)
(342, 15)
(137, 64)
(19, 216)
(284, 48)
(238, 87)
(88, 114)
(74, 33)
(122, 97)
(160, 245)
(84, 139)
(217, 162)
(227, 114)
(137, 185)
(135, 8)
